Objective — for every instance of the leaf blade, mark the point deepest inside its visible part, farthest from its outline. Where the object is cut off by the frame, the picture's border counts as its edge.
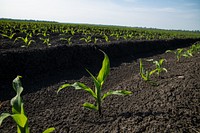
(16, 101)
(49, 130)
(105, 69)
(3, 116)
(90, 106)
(116, 92)
(20, 119)
(81, 86)
(96, 82)
(62, 87)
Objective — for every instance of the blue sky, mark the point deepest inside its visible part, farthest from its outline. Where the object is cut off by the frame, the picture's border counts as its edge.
(165, 14)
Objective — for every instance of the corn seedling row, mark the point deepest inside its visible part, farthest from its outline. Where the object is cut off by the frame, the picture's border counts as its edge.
(86, 33)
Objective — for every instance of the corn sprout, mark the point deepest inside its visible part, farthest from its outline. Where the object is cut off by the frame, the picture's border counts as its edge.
(145, 74)
(18, 113)
(26, 41)
(98, 83)
(9, 36)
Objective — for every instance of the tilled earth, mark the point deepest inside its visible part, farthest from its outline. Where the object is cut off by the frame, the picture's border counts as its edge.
(173, 106)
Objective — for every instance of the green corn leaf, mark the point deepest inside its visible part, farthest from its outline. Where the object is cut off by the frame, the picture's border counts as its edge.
(3, 116)
(187, 54)
(63, 39)
(8, 36)
(93, 78)
(49, 130)
(144, 76)
(78, 86)
(164, 69)
(153, 71)
(17, 85)
(11, 36)
(82, 39)
(26, 40)
(17, 39)
(142, 72)
(105, 69)
(161, 61)
(149, 60)
(22, 108)
(117, 92)
(17, 111)
(96, 82)
(141, 67)
(90, 106)
(168, 51)
(16, 101)
(157, 64)
(20, 119)
(4, 35)
(29, 42)
(62, 87)
(81, 86)
(179, 51)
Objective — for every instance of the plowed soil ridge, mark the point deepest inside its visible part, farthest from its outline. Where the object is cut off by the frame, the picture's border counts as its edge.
(41, 67)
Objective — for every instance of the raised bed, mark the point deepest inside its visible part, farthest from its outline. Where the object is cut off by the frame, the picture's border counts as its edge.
(32, 62)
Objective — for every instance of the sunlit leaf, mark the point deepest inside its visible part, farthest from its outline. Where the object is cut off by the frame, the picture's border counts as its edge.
(17, 101)
(117, 92)
(105, 69)
(81, 86)
(62, 87)
(90, 106)
(20, 119)
(49, 130)
(3, 116)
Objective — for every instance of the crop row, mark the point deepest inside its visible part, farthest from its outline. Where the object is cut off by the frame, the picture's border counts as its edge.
(27, 33)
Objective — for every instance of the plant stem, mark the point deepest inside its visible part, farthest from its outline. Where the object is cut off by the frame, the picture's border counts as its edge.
(99, 101)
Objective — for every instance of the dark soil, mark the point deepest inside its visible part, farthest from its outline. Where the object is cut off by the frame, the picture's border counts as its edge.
(173, 106)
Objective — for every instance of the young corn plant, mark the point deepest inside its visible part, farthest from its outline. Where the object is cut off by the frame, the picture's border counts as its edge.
(95, 40)
(8, 36)
(98, 83)
(159, 67)
(106, 38)
(29, 35)
(18, 113)
(27, 42)
(46, 41)
(146, 74)
(116, 35)
(87, 39)
(195, 48)
(44, 34)
(72, 31)
(188, 53)
(178, 53)
(67, 39)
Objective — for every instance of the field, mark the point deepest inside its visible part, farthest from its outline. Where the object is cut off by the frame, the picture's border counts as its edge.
(169, 102)
(43, 34)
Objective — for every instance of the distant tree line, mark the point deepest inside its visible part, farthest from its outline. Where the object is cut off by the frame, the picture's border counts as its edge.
(26, 20)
